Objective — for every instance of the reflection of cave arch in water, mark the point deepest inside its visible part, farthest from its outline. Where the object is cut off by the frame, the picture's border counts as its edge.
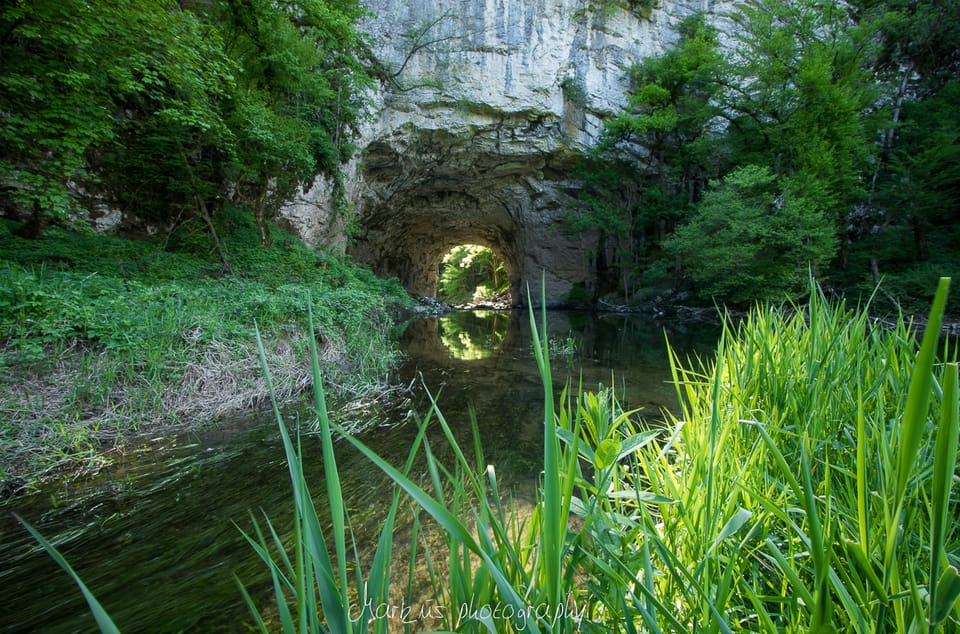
(488, 335)
(472, 335)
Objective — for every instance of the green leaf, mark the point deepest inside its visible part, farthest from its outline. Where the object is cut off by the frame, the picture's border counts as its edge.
(945, 462)
(918, 396)
(734, 524)
(632, 443)
(641, 496)
(947, 594)
(607, 453)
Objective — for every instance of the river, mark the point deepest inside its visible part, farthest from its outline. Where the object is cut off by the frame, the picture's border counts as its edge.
(156, 534)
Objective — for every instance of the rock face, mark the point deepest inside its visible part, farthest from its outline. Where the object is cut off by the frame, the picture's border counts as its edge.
(484, 107)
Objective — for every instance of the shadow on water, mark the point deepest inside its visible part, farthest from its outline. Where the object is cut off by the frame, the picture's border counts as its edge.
(156, 536)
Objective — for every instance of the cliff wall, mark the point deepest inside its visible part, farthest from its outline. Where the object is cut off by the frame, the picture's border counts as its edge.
(483, 108)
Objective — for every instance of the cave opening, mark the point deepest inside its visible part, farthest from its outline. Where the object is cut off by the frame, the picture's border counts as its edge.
(472, 274)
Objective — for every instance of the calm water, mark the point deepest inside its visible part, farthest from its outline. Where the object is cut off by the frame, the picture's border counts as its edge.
(156, 537)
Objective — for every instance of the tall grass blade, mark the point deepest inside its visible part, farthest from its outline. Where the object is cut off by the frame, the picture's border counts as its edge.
(862, 483)
(945, 589)
(912, 427)
(553, 530)
(332, 476)
(948, 591)
(457, 530)
(261, 624)
(104, 622)
(333, 592)
(918, 396)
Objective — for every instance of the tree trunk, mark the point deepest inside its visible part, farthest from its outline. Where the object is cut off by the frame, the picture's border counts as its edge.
(875, 267)
(205, 213)
(889, 135)
(920, 237)
(260, 215)
(33, 227)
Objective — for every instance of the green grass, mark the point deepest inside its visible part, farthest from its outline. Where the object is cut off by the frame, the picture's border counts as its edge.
(806, 485)
(800, 477)
(101, 336)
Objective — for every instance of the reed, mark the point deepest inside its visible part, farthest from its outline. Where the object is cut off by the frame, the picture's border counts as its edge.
(504, 573)
(312, 592)
(805, 485)
(799, 482)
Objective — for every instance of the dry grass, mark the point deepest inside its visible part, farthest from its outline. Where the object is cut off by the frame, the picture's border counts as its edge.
(66, 416)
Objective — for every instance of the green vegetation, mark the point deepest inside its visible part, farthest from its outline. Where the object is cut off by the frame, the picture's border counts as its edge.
(321, 588)
(169, 110)
(471, 273)
(807, 485)
(195, 121)
(850, 107)
(473, 334)
(752, 238)
(100, 336)
(801, 476)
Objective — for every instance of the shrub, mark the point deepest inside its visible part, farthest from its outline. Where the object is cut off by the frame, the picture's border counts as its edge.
(753, 238)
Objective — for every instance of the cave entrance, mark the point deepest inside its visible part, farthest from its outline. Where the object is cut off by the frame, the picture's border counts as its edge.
(471, 274)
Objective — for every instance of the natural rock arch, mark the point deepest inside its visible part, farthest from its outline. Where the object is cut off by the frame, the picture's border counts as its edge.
(408, 241)
(427, 191)
(481, 113)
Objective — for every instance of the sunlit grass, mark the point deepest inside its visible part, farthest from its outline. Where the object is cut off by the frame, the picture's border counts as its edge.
(805, 485)
(801, 478)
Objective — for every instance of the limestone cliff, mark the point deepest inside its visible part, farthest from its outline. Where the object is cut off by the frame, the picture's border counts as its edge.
(483, 107)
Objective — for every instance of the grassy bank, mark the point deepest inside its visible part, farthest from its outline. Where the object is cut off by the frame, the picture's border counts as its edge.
(807, 486)
(102, 336)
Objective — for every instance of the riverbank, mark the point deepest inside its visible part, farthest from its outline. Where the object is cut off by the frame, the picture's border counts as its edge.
(102, 337)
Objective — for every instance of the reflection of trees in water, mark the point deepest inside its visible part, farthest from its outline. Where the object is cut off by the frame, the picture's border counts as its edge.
(615, 339)
(489, 354)
(470, 335)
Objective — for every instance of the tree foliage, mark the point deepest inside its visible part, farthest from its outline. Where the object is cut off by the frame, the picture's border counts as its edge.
(471, 273)
(169, 109)
(77, 74)
(655, 158)
(849, 106)
(753, 237)
(803, 87)
(671, 113)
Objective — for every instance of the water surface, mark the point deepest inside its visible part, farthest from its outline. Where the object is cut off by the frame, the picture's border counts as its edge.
(156, 535)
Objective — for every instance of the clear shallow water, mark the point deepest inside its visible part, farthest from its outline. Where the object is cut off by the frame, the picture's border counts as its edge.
(156, 536)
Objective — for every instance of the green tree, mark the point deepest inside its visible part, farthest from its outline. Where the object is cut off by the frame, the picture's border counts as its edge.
(56, 97)
(924, 165)
(655, 158)
(919, 54)
(170, 108)
(78, 75)
(801, 89)
(300, 96)
(669, 120)
(754, 236)
(470, 273)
